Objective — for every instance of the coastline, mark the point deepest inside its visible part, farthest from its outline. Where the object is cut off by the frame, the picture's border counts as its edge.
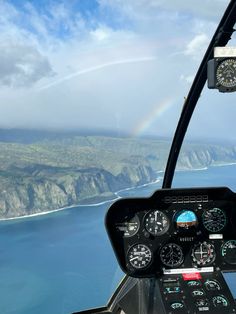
(223, 165)
(116, 194)
(158, 179)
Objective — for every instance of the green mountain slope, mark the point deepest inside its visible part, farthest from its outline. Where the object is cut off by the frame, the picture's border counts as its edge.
(53, 172)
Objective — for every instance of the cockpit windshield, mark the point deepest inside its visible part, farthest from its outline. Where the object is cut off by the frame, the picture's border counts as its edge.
(90, 96)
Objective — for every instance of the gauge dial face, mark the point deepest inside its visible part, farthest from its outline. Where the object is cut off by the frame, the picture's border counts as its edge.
(203, 253)
(194, 283)
(212, 285)
(129, 228)
(202, 303)
(228, 252)
(139, 256)
(171, 255)
(156, 223)
(186, 219)
(177, 305)
(226, 73)
(220, 301)
(214, 219)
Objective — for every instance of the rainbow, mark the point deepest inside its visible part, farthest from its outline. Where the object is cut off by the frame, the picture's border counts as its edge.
(95, 68)
(152, 116)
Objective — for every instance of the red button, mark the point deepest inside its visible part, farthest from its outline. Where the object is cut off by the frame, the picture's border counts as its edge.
(192, 276)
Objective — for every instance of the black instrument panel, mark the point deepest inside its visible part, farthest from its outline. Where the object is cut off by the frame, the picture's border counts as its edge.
(174, 228)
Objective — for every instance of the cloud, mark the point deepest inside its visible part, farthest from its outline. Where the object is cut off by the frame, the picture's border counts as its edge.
(104, 67)
(197, 46)
(22, 65)
(143, 9)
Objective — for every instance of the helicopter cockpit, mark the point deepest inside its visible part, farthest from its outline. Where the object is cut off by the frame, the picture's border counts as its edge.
(183, 237)
(175, 245)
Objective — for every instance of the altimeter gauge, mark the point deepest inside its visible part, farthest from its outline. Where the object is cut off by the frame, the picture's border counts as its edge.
(139, 256)
(203, 253)
(214, 220)
(228, 252)
(156, 223)
(226, 73)
(171, 255)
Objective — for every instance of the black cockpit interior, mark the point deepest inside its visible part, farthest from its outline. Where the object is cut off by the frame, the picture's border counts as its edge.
(185, 238)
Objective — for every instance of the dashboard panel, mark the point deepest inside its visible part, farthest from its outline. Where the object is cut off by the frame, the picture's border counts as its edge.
(174, 229)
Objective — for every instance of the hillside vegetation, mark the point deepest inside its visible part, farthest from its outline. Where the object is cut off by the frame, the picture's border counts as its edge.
(49, 172)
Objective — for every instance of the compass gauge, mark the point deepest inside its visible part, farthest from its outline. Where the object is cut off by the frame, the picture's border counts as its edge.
(226, 73)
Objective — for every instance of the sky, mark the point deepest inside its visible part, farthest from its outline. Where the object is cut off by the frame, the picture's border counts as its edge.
(108, 65)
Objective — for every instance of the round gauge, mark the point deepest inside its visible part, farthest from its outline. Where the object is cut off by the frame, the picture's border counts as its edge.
(156, 223)
(220, 301)
(203, 253)
(214, 219)
(212, 285)
(228, 251)
(139, 256)
(202, 303)
(130, 227)
(194, 283)
(186, 219)
(179, 305)
(198, 293)
(226, 73)
(171, 255)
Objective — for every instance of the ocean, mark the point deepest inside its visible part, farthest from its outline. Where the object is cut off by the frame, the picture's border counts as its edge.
(63, 262)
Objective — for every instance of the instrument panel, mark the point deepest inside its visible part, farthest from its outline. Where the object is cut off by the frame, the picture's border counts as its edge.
(174, 229)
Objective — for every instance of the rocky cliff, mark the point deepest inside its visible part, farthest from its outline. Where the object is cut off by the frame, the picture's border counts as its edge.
(48, 173)
(39, 189)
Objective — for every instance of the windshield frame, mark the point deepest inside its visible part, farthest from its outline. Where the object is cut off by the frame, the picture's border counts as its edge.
(221, 37)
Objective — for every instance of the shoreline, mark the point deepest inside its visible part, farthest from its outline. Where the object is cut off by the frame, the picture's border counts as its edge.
(223, 165)
(158, 179)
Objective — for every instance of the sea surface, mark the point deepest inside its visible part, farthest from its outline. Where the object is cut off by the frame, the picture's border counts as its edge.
(63, 262)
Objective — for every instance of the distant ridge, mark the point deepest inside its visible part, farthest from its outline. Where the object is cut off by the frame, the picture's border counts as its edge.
(47, 170)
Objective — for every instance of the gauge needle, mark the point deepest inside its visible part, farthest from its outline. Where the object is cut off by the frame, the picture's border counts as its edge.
(155, 214)
(132, 259)
(170, 253)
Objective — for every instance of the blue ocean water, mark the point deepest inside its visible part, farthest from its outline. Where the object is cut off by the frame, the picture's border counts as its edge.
(63, 262)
